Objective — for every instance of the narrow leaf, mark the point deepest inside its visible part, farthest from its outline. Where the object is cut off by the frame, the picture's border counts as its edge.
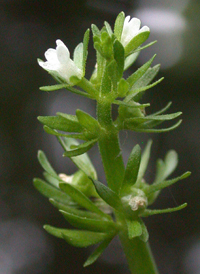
(45, 164)
(78, 56)
(81, 199)
(144, 160)
(119, 24)
(130, 104)
(140, 72)
(145, 234)
(136, 42)
(98, 251)
(56, 133)
(89, 224)
(53, 87)
(76, 238)
(83, 162)
(61, 123)
(80, 149)
(85, 49)
(149, 212)
(51, 192)
(108, 28)
(51, 179)
(87, 121)
(75, 211)
(162, 110)
(132, 168)
(161, 185)
(130, 60)
(109, 196)
(134, 228)
(95, 30)
(118, 50)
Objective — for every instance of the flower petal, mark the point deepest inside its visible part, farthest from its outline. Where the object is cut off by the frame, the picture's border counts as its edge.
(51, 55)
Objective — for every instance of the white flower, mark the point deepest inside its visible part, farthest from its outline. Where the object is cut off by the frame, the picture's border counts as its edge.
(131, 29)
(59, 63)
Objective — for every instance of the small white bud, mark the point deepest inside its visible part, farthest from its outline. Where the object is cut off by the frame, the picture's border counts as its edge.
(137, 202)
(65, 178)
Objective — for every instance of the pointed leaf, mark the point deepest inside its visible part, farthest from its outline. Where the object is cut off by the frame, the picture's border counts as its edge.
(150, 130)
(51, 192)
(56, 133)
(122, 88)
(75, 211)
(144, 160)
(140, 72)
(147, 77)
(89, 224)
(162, 110)
(130, 60)
(149, 212)
(131, 104)
(80, 149)
(51, 179)
(108, 28)
(81, 199)
(163, 184)
(98, 251)
(53, 87)
(78, 56)
(69, 124)
(95, 30)
(136, 42)
(109, 196)
(87, 121)
(83, 162)
(119, 24)
(132, 168)
(85, 49)
(134, 228)
(76, 238)
(45, 164)
(145, 234)
(118, 50)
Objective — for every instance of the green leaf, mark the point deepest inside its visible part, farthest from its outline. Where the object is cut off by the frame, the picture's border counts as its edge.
(136, 42)
(81, 199)
(134, 228)
(149, 212)
(145, 234)
(140, 72)
(56, 133)
(119, 24)
(146, 46)
(51, 192)
(134, 92)
(147, 77)
(108, 28)
(88, 122)
(75, 211)
(76, 238)
(89, 224)
(150, 130)
(166, 167)
(69, 123)
(129, 60)
(83, 162)
(45, 164)
(95, 30)
(144, 161)
(53, 87)
(122, 88)
(131, 104)
(80, 149)
(118, 50)
(132, 168)
(162, 110)
(109, 196)
(98, 251)
(78, 56)
(51, 179)
(158, 186)
(85, 49)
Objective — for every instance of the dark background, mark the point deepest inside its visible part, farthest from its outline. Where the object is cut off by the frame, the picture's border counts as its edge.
(27, 30)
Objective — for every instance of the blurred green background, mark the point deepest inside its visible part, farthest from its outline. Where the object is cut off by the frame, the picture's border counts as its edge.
(27, 30)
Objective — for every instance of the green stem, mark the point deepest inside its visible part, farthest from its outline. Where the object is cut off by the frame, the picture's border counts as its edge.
(138, 253)
(109, 147)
